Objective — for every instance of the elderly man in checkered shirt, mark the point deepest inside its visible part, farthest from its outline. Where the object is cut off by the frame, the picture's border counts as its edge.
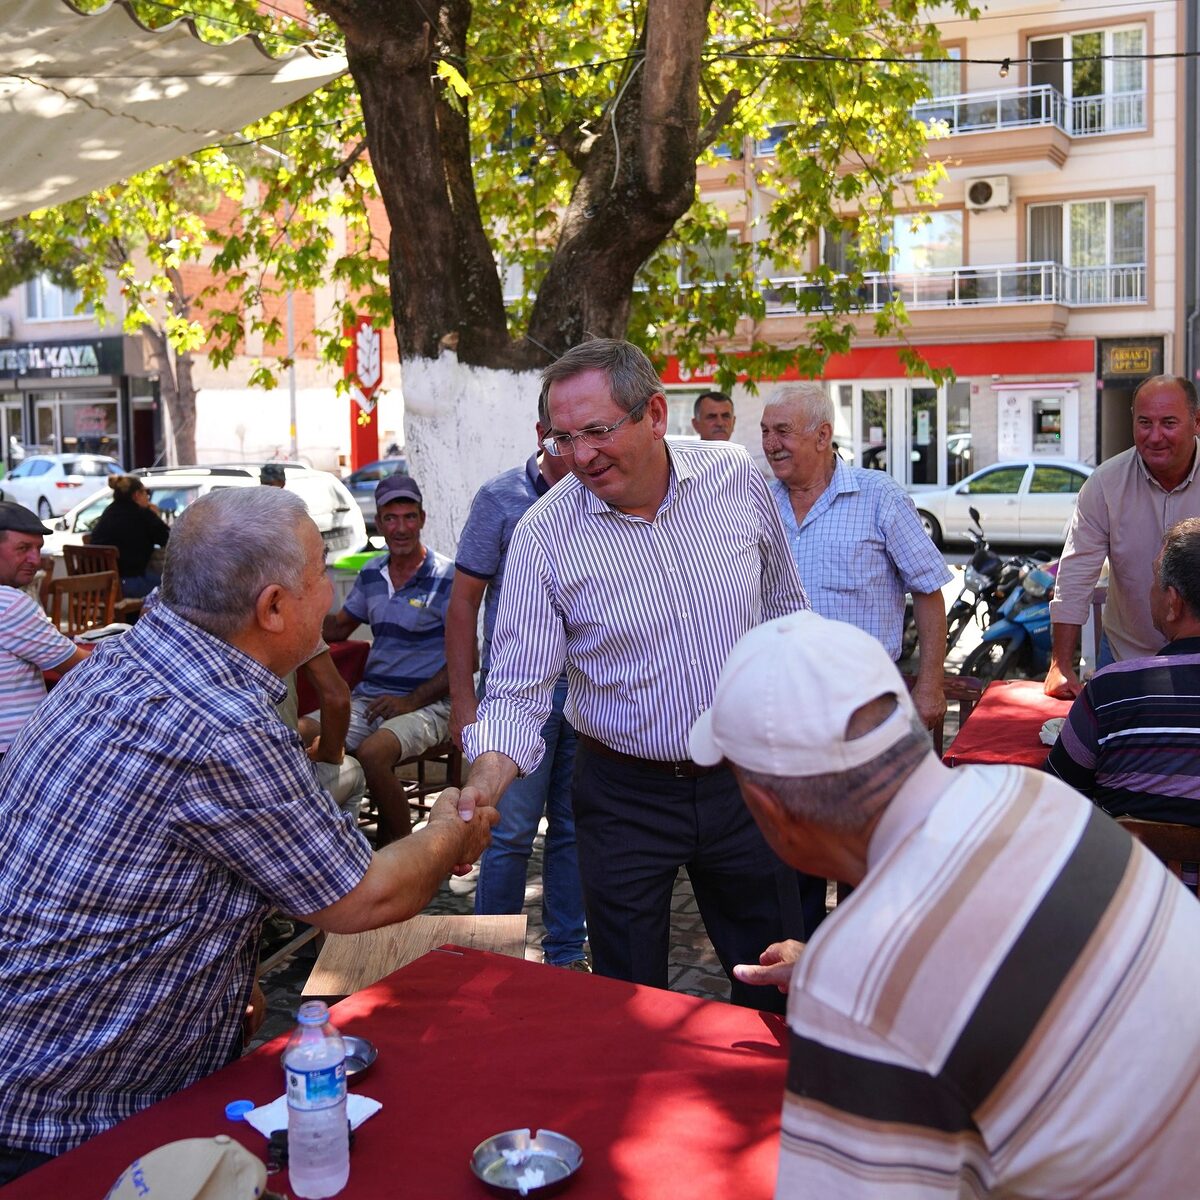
(856, 538)
(153, 811)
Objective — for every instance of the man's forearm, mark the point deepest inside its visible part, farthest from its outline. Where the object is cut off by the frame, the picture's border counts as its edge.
(435, 688)
(462, 650)
(1064, 642)
(490, 775)
(929, 613)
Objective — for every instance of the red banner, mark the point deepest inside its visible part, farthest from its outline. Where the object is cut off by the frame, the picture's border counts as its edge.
(364, 373)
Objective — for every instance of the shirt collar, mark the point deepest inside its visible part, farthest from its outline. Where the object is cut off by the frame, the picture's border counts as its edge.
(537, 480)
(1187, 480)
(681, 471)
(909, 807)
(207, 645)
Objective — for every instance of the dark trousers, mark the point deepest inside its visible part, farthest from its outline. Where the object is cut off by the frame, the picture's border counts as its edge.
(15, 1163)
(634, 829)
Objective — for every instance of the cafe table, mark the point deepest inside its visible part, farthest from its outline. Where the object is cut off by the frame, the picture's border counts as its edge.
(668, 1095)
(1005, 724)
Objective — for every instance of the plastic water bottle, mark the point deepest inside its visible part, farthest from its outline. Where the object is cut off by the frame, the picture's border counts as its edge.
(314, 1062)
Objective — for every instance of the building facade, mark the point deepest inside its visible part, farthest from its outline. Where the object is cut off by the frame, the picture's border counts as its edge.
(1053, 274)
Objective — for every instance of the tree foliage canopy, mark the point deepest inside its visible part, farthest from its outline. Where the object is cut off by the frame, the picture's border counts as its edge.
(537, 124)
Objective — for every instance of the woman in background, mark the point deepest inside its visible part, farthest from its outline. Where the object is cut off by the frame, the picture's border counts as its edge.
(132, 524)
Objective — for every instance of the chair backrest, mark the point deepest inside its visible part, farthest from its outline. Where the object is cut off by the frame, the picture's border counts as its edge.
(965, 690)
(1173, 844)
(87, 560)
(82, 602)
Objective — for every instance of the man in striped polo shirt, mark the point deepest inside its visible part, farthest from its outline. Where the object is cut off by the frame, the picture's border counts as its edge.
(1006, 1003)
(29, 643)
(1131, 737)
(637, 575)
(402, 706)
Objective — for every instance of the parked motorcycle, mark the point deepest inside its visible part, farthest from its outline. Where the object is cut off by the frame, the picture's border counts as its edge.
(1019, 639)
(988, 580)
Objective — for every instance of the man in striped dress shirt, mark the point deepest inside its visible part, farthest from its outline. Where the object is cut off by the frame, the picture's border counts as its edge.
(1131, 737)
(1006, 1005)
(638, 574)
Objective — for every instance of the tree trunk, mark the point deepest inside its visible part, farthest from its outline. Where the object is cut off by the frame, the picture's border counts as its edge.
(178, 393)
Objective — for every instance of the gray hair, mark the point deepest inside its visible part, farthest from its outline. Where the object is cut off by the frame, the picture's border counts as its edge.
(225, 548)
(631, 375)
(1185, 385)
(846, 801)
(810, 398)
(1179, 566)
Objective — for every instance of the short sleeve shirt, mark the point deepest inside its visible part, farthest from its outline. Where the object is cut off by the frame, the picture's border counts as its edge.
(408, 625)
(29, 645)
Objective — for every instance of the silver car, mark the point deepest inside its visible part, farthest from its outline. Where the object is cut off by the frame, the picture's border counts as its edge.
(1029, 501)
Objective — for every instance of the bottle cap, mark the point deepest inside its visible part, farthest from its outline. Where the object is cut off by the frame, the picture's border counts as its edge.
(236, 1110)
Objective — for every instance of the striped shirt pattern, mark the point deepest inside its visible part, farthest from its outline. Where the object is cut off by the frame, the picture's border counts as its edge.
(151, 813)
(643, 614)
(1132, 738)
(408, 626)
(1006, 1005)
(860, 548)
(29, 645)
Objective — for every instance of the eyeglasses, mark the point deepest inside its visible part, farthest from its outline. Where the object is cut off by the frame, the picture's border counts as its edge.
(594, 437)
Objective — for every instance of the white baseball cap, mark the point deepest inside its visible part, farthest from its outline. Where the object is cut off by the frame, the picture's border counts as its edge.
(787, 692)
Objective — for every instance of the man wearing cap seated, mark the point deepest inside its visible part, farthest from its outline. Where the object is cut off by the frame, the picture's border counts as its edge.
(29, 643)
(402, 706)
(1131, 737)
(1011, 971)
(154, 810)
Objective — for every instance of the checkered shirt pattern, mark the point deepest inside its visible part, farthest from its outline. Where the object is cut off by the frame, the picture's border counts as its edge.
(151, 813)
(860, 548)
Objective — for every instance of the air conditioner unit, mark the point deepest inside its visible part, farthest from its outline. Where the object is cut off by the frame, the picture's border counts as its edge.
(991, 191)
(6, 327)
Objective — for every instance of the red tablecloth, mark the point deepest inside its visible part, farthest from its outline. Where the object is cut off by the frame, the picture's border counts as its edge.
(1004, 726)
(668, 1096)
(350, 658)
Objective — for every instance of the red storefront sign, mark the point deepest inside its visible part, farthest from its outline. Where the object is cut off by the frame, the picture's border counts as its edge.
(883, 362)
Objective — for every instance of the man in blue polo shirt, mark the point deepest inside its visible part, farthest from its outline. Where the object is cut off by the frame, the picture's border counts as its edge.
(401, 707)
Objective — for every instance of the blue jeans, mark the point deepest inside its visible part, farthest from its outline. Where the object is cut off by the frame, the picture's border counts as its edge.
(501, 887)
(1106, 657)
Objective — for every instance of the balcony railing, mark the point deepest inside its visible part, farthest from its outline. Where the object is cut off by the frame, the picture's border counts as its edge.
(971, 287)
(1021, 108)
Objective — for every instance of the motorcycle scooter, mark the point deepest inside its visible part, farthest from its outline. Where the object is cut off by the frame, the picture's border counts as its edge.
(1019, 640)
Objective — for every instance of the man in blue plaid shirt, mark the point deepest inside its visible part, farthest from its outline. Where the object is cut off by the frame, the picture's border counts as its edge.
(856, 538)
(153, 811)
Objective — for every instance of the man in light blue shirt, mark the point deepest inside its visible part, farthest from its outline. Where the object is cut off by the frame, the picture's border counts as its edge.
(856, 538)
(402, 706)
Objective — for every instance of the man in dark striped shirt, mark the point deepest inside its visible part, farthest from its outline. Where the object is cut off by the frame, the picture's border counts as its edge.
(1132, 738)
(638, 575)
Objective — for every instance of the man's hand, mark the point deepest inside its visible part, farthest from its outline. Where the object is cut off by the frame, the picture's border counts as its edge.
(383, 708)
(1061, 684)
(929, 701)
(462, 714)
(477, 828)
(774, 965)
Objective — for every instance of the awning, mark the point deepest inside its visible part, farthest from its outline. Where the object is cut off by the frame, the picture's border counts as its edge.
(89, 99)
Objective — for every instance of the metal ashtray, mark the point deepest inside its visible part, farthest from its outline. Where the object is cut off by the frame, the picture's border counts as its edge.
(360, 1056)
(528, 1165)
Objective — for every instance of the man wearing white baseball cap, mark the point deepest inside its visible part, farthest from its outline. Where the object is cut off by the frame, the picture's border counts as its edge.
(1010, 973)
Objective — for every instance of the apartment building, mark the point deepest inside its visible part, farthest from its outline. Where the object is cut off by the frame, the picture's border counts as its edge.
(1054, 273)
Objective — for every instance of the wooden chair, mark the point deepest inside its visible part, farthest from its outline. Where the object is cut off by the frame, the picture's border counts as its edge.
(82, 602)
(88, 560)
(1173, 844)
(965, 690)
(417, 791)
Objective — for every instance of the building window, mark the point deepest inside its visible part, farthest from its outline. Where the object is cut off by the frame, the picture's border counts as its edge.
(1102, 242)
(48, 301)
(1103, 79)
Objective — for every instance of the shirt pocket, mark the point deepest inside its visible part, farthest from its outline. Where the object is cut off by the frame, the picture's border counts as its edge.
(852, 566)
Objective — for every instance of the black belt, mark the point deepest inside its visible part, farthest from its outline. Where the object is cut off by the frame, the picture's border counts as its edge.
(681, 769)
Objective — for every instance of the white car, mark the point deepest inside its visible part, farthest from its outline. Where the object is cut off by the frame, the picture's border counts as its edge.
(49, 484)
(172, 489)
(1030, 501)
